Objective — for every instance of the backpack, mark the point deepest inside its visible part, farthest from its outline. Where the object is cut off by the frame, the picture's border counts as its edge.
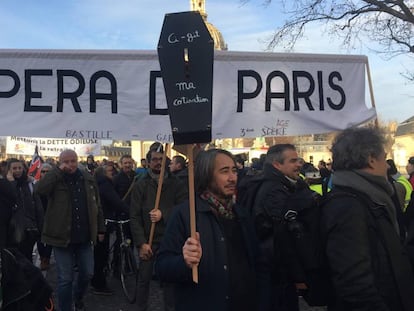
(23, 286)
(300, 232)
(309, 244)
(297, 235)
(247, 191)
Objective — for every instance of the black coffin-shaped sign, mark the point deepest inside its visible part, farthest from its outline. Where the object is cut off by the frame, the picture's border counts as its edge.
(186, 53)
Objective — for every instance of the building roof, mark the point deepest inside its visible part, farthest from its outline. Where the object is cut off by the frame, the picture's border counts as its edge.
(219, 43)
(406, 127)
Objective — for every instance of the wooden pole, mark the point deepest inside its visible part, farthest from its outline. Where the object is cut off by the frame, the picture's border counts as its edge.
(191, 197)
(159, 188)
(371, 91)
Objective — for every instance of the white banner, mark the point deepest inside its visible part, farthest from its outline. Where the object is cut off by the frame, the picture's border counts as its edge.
(75, 94)
(49, 147)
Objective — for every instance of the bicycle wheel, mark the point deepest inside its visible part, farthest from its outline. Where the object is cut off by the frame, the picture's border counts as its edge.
(129, 274)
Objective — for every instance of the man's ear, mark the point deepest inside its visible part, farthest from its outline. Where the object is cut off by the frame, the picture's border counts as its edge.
(276, 165)
(371, 161)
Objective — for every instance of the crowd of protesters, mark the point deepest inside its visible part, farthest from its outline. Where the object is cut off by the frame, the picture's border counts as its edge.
(243, 258)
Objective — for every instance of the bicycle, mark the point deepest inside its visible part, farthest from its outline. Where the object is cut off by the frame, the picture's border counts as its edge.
(126, 261)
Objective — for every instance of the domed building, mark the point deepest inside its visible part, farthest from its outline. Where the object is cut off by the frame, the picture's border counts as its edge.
(200, 6)
(139, 148)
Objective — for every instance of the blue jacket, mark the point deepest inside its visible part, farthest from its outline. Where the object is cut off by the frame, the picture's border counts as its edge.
(212, 291)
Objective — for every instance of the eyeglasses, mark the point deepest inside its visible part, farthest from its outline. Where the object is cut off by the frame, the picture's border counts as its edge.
(44, 171)
(156, 159)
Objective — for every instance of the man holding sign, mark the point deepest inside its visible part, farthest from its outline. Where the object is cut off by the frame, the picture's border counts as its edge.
(143, 214)
(212, 269)
(223, 246)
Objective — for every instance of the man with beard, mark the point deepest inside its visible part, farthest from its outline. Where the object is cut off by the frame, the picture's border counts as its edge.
(143, 214)
(27, 218)
(123, 180)
(222, 249)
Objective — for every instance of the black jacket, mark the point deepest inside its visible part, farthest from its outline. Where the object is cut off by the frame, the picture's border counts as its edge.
(212, 292)
(112, 205)
(274, 198)
(7, 204)
(369, 268)
(409, 223)
(28, 203)
(183, 176)
(122, 183)
(24, 287)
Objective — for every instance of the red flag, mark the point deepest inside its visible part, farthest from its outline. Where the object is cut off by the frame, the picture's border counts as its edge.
(35, 165)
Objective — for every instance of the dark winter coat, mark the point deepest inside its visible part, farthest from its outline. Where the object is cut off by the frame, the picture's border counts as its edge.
(24, 287)
(409, 223)
(7, 204)
(183, 176)
(276, 195)
(212, 292)
(28, 214)
(112, 205)
(122, 183)
(370, 269)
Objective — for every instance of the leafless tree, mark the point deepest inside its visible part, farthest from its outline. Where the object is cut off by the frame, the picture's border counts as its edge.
(388, 23)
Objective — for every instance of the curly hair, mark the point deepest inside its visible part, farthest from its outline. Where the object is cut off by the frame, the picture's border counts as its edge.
(352, 148)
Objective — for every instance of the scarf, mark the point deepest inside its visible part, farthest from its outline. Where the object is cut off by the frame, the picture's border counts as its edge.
(155, 176)
(225, 211)
(377, 188)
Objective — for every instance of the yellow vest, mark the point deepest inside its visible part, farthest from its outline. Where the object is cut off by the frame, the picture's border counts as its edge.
(317, 188)
(408, 190)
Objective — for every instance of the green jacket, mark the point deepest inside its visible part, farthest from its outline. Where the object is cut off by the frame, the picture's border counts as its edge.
(58, 217)
(143, 196)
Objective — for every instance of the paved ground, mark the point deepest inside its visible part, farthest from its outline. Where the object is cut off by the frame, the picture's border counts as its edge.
(117, 302)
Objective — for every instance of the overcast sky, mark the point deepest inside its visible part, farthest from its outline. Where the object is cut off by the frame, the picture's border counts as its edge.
(136, 24)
